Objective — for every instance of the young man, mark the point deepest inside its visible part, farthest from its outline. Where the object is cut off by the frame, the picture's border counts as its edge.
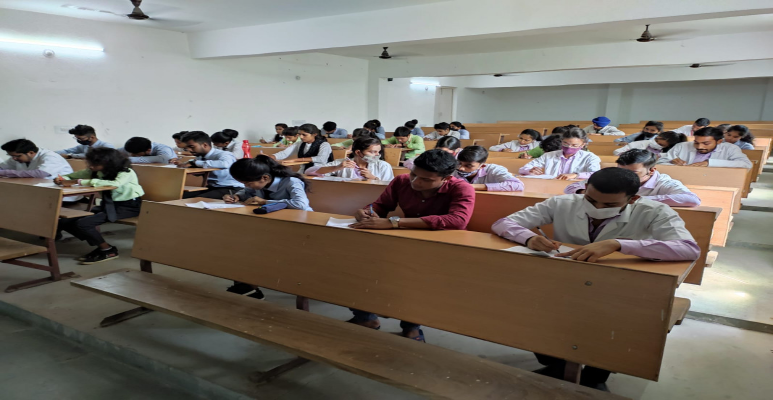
(600, 126)
(431, 198)
(489, 177)
(28, 161)
(142, 151)
(87, 139)
(442, 129)
(332, 131)
(689, 130)
(654, 185)
(707, 150)
(652, 128)
(404, 139)
(219, 183)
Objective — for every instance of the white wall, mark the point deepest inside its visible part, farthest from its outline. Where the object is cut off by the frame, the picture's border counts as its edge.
(400, 101)
(145, 84)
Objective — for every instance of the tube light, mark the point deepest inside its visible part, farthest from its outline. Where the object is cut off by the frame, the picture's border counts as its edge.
(46, 44)
(425, 83)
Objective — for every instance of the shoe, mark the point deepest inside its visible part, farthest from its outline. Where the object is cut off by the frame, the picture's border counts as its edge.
(100, 256)
(598, 386)
(551, 371)
(87, 256)
(240, 288)
(257, 295)
(366, 324)
(419, 338)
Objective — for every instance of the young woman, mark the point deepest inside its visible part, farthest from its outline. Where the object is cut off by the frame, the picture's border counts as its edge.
(380, 131)
(546, 145)
(225, 140)
(279, 128)
(457, 126)
(364, 162)
(527, 140)
(571, 162)
(289, 137)
(662, 143)
(449, 144)
(403, 138)
(106, 167)
(415, 130)
(442, 129)
(740, 136)
(358, 133)
(313, 148)
(650, 130)
(490, 177)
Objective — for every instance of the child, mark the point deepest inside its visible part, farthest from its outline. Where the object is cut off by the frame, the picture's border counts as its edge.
(226, 140)
(332, 131)
(662, 143)
(707, 150)
(431, 198)
(266, 182)
(278, 128)
(365, 163)
(28, 161)
(457, 126)
(600, 126)
(527, 140)
(380, 131)
(415, 129)
(654, 185)
(313, 148)
(441, 130)
(570, 162)
(219, 182)
(87, 139)
(106, 167)
(740, 136)
(649, 131)
(289, 137)
(141, 150)
(358, 133)
(403, 138)
(489, 177)
(689, 130)
(449, 144)
(548, 144)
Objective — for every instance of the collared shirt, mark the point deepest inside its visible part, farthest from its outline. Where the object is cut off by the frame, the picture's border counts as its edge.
(284, 142)
(496, 178)
(660, 187)
(159, 153)
(289, 190)
(46, 163)
(436, 136)
(417, 132)
(126, 183)
(554, 163)
(218, 159)
(80, 150)
(686, 130)
(414, 143)
(450, 208)
(724, 155)
(381, 170)
(744, 145)
(234, 148)
(649, 145)
(321, 158)
(608, 130)
(628, 139)
(464, 134)
(339, 133)
(514, 145)
(381, 133)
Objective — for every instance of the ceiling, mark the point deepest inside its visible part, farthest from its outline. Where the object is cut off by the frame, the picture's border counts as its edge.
(201, 15)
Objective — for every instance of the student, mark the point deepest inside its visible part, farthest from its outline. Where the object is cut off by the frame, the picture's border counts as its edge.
(403, 138)
(600, 126)
(141, 150)
(707, 150)
(219, 182)
(313, 149)
(29, 161)
(570, 162)
(689, 130)
(358, 133)
(546, 145)
(106, 167)
(415, 129)
(226, 140)
(740, 136)
(290, 136)
(380, 131)
(659, 145)
(650, 130)
(365, 163)
(441, 130)
(724, 127)
(332, 131)
(371, 127)
(654, 185)
(457, 126)
(87, 139)
(279, 128)
(489, 177)
(431, 198)
(527, 140)
(180, 145)
(266, 182)
(449, 144)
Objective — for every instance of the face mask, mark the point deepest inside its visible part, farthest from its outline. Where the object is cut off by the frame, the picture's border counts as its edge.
(599, 213)
(371, 159)
(84, 142)
(570, 151)
(464, 174)
(655, 145)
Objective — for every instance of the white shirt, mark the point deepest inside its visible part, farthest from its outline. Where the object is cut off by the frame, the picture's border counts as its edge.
(45, 160)
(724, 155)
(435, 136)
(687, 130)
(513, 145)
(608, 130)
(382, 170)
(639, 144)
(235, 148)
(321, 158)
(583, 163)
(660, 187)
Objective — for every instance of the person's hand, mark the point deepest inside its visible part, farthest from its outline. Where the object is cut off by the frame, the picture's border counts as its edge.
(525, 155)
(68, 183)
(594, 251)
(263, 140)
(231, 199)
(174, 161)
(508, 151)
(564, 177)
(367, 174)
(373, 223)
(287, 162)
(537, 171)
(678, 161)
(393, 146)
(700, 164)
(363, 214)
(348, 163)
(541, 243)
(58, 180)
(255, 201)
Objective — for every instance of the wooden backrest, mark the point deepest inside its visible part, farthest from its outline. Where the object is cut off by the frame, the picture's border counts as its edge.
(334, 141)
(392, 156)
(756, 157)
(77, 164)
(603, 149)
(512, 164)
(486, 139)
(470, 142)
(160, 183)
(266, 150)
(30, 209)
(723, 177)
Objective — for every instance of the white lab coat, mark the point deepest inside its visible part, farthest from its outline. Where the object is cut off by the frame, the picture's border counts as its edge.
(687, 130)
(382, 170)
(583, 162)
(639, 144)
(608, 130)
(513, 145)
(725, 155)
(435, 136)
(45, 160)
(235, 148)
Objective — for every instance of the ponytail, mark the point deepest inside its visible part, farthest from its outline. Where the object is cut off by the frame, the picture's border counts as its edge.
(252, 169)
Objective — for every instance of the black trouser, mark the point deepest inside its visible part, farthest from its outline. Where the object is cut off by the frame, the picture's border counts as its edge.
(364, 316)
(85, 228)
(212, 192)
(590, 375)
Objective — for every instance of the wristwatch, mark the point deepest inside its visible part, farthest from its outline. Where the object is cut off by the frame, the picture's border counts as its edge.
(395, 222)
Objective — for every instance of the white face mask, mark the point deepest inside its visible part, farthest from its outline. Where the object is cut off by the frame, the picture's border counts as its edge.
(655, 145)
(371, 159)
(599, 213)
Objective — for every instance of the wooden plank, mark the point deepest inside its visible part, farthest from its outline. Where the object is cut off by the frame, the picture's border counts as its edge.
(393, 156)
(725, 177)
(77, 164)
(512, 164)
(602, 149)
(66, 213)
(373, 354)
(11, 249)
(162, 183)
(756, 157)
(678, 312)
(30, 209)
(487, 139)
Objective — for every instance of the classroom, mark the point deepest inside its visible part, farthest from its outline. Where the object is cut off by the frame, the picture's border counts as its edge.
(399, 199)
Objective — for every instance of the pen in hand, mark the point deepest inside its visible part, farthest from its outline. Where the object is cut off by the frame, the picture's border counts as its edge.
(546, 237)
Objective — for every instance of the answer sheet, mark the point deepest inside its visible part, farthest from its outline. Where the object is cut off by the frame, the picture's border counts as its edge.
(341, 223)
(213, 206)
(526, 250)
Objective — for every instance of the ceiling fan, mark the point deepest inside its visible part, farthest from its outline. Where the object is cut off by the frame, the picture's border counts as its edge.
(386, 56)
(697, 65)
(139, 15)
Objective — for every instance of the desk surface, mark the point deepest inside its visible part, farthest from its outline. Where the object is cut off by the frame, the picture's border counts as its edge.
(187, 170)
(66, 191)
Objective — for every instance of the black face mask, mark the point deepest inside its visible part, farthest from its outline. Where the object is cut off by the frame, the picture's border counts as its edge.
(84, 142)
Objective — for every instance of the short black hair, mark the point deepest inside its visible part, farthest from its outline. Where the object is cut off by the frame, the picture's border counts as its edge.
(551, 143)
(638, 156)
(137, 145)
(197, 137)
(724, 127)
(559, 130)
(412, 123)
(402, 131)
(329, 126)
(291, 131)
(437, 161)
(533, 133)
(473, 154)
(224, 136)
(282, 125)
(575, 133)
(615, 180)
(448, 142)
(702, 122)
(363, 143)
(377, 122)
(179, 135)
(370, 125)
(656, 124)
(716, 133)
(442, 126)
(82, 130)
(309, 128)
(21, 146)
(252, 169)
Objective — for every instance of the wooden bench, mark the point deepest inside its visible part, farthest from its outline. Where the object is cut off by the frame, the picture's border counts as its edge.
(487, 139)
(68, 213)
(756, 157)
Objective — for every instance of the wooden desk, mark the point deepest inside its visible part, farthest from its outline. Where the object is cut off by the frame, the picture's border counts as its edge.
(487, 139)
(66, 191)
(757, 158)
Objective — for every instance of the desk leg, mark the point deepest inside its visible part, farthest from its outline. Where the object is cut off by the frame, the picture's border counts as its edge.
(302, 303)
(145, 266)
(572, 372)
(92, 200)
(53, 269)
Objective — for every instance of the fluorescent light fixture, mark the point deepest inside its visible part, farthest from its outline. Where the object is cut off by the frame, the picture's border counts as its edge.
(425, 83)
(46, 44)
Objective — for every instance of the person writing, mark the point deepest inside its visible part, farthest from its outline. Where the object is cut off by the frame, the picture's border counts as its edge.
(365, 163)
(570, 162)
(403, 138)
(482, 176)
(86, 137)
(29, 161)
(707, 150)
(219, 182)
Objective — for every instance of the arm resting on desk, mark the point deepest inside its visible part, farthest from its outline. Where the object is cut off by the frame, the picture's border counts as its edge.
(35, 173)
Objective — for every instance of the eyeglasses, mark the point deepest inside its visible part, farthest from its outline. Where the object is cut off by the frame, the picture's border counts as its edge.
(572, 146)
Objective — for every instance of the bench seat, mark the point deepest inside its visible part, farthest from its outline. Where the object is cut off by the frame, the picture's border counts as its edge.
(67, 213)
(129, 221)
(11, 249)
(195, 188)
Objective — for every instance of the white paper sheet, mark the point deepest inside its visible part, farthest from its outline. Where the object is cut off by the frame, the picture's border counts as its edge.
(213, 206)
(526, 250)
(335, 179)
(341, 223)
(47, 184)
(538, 176)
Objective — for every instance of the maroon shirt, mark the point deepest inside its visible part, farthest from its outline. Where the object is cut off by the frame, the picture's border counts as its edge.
(450, 208)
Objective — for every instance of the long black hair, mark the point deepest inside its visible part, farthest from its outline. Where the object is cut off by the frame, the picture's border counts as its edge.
(448, 142)
(363, 143)
(314, 149)
(112, 162)
(744, 132)
(224, 136)
(252, 169)
(673, 138)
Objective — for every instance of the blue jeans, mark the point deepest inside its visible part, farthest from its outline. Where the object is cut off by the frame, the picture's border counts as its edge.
(364, 316)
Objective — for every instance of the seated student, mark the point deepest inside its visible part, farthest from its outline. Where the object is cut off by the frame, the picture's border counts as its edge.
(313, 148)
(332, 131)
(403, 138)
(547, 144)
(608, 217)
(708, 150)
(87, 139)
(441, 130)
(654, 185)
(600, 126)
(142, 151)
(219, 182)
(658, 145)
(365, 163)
(180, 145)
(431, 198)
(689, 130)
(358, 133)
(290, 136)
(650, 130)
(570, 162)
(449, 144)
(527, 140)
(226, 140)
(724, 127)
(29, 161)
(106, 167)
(415, 129)
(740, 136)
(482, 176)
(279, 128)
(457, 126)
(380, 131)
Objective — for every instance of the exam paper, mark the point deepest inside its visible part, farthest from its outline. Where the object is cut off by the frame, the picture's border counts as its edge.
(526, 250)
(213, 206)
(47, 184)
(538, 176)
(335, 179)
(341, 223)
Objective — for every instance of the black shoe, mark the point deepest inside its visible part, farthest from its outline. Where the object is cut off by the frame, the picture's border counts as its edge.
(257, 295)
(551, 371)
(89, 255)
(100, 256)
(598, 386)
(240, 288)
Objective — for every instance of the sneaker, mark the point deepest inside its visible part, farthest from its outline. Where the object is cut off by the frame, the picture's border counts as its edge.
(257, 295)
(87, 256)
(100, 256)
(240, 288)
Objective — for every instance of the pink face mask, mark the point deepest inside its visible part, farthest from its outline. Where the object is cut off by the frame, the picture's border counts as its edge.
(570, 151)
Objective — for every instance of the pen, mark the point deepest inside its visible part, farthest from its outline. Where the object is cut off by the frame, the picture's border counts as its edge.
(371, 210)
(546, 236)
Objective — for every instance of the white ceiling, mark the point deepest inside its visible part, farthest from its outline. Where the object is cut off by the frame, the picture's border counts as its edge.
(200, 15)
